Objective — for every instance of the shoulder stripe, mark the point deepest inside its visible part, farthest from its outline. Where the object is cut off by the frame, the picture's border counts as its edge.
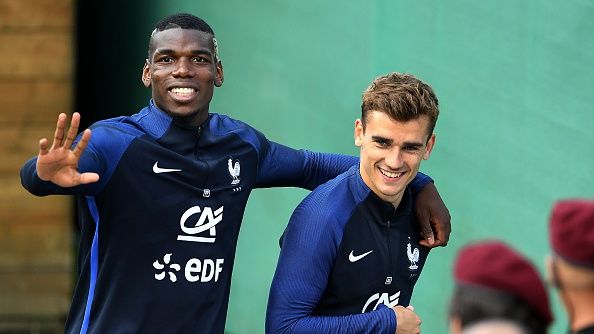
(94, 264)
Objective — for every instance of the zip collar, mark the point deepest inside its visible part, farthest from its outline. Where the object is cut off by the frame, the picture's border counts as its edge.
(386, 210)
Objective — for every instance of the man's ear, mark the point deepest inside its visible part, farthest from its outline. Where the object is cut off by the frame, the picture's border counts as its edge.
(429, 146)
(219, 77)
(455, 325)
(146, 74)
(359, 132)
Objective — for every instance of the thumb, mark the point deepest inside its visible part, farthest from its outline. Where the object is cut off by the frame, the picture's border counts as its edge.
(426, 230)
(410, 307)
(88, 178)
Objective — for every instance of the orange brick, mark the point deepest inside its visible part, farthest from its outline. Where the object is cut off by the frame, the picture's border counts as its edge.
(35, 292)
(36, 14)
(15, 201)
(18, 144)
(33, 102)
(36, 244)
(46, 55)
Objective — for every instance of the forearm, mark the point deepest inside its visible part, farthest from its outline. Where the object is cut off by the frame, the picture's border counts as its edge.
(286, 167)
(380, 321)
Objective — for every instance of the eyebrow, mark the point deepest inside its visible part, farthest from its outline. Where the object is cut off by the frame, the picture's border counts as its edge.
(194, 52)
(380, 138)
(412, 144)
(390, 141)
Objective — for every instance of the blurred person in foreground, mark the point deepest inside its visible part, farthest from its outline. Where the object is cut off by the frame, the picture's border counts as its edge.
(494, 327)
(495, 282)
(571, 266)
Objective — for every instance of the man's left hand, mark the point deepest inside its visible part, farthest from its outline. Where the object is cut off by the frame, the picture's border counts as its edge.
(433, 217)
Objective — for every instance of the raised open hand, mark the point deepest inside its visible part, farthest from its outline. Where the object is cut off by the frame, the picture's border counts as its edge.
(59, 163)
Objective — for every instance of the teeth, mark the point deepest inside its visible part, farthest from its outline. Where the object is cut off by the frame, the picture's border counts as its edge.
(390, 174)
(183, 90)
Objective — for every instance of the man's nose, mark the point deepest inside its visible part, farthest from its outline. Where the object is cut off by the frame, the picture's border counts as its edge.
(394, 158)
(183, 68)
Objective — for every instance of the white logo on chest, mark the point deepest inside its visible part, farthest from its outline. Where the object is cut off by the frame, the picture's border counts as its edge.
(377, 299)
(207, 221)
(355, 258)
(159, 170)
(195, 270)
(413, 256)
(234, 170)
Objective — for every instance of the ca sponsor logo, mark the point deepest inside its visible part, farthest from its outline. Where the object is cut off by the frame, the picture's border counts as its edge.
(195, 270)
(207, 220)
(376, 299)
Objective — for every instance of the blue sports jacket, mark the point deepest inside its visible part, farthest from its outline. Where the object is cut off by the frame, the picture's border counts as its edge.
(347, 257)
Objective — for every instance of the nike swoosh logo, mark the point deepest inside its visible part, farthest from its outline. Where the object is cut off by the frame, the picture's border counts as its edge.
(354, 258)
(159, 170)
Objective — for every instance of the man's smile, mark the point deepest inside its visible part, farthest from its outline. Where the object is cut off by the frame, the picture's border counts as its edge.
(182, 93)
(391, 175)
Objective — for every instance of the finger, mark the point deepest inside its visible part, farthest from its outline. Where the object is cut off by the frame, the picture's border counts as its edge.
(82, 143)
(43, 146)
(427, 232)
(73, 130)
(88, 178)
(410, 307)
(443, 232)
(59, 133)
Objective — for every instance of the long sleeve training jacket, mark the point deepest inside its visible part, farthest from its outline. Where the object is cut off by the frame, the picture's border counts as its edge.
(347, 257)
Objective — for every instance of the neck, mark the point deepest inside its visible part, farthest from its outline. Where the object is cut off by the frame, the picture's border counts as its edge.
(396, 202)
(192, 121)
(580, 305)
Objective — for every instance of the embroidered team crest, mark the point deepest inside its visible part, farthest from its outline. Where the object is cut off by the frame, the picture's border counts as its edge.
(234, 170)
(413, 256)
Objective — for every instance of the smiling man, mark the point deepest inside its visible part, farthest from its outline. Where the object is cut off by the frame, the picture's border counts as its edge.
(351, 254)
(161, 194)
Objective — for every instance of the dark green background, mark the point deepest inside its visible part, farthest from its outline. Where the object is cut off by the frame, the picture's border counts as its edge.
(514, 79)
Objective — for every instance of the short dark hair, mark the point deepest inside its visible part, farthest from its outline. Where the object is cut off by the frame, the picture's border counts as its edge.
(402, 97)
(473, 303)
(183, 21)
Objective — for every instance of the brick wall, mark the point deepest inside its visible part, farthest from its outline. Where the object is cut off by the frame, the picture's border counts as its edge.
(36, 64)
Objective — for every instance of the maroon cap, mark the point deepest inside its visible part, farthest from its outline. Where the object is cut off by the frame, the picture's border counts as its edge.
(572, 231)
(495, 265)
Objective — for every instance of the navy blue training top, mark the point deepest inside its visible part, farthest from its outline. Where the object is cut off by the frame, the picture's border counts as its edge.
(347, 257)
(159, 229)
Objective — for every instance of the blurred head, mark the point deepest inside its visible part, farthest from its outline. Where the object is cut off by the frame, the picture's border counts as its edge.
(571, 231)
(495, 327)
(183, 67)
(493, 281)
(571, 266)
(395, 133)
